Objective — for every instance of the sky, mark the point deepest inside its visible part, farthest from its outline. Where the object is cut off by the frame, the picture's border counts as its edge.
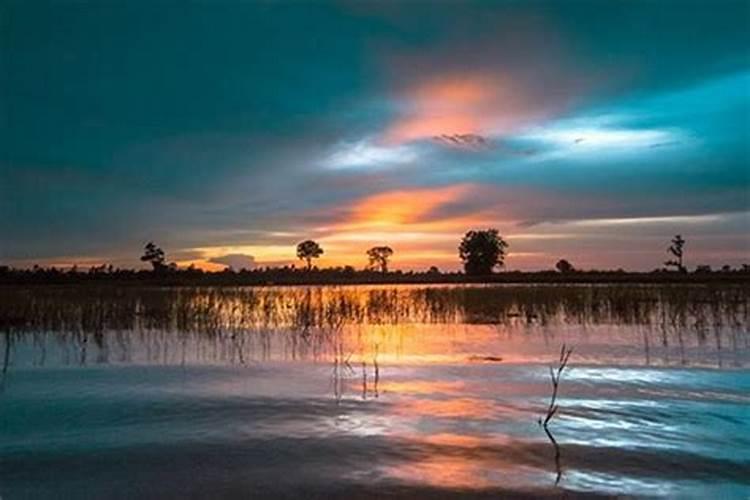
(229, 131)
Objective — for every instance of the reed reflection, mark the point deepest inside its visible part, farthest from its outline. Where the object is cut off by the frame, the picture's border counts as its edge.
(366, 327)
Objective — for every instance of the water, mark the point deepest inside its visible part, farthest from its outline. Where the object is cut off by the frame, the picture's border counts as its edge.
(355, 392)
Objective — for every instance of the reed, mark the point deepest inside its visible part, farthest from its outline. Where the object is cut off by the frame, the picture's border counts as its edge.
(236, 321)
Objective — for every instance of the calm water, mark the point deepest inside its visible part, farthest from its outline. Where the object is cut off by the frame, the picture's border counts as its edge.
(371, 391)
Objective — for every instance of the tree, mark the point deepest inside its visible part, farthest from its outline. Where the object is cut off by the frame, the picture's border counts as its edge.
(379, 257)
(482, 251)
(154, 256)
(564, 266)
(676, 249)
(307, 251)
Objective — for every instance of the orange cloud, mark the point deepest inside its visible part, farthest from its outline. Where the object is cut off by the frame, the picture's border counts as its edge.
(403, 207)
(462, 104)
(416, 223)
(439, 107)
(422, 225)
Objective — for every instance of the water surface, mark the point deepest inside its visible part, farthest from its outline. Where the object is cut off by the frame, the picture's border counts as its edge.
(367, 391)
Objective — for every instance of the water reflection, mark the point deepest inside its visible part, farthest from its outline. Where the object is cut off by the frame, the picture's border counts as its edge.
(373, 391)
(663, 325)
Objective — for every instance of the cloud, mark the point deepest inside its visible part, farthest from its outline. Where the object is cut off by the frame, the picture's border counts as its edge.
(664, 144)
(407, 206)
(464, 105)
(365, 154)
(472, 142)
(235, 261)
(633, 126)
(484, 85)
(570, 136)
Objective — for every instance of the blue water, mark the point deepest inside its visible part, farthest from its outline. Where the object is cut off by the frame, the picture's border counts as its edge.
(407, 410)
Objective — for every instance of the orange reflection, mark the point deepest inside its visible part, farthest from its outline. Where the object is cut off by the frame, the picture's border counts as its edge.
(465, 440)
(431, 340)
(449, 439)
(444, 472)
(422, 386)
(448, 408)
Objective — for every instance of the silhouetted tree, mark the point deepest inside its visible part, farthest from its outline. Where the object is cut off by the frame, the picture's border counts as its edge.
(379, 257)
(307, 251)
(564, 266)
(433, 270)
(481, 251)
(154, 256)
(676, 249)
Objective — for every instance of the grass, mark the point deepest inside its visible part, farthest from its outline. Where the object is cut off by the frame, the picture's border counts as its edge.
(236, 319)
(217, 310)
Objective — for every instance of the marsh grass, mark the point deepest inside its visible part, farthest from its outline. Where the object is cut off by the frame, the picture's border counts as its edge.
(229, 323)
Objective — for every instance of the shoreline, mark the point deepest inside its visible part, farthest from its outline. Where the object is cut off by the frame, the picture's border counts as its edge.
(323, 278)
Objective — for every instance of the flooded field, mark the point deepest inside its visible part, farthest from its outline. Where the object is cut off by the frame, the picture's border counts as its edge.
(402, 391)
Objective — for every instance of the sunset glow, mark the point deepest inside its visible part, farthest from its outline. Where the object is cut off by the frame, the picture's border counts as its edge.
(462, 104)
(515, 118)
(362, 249)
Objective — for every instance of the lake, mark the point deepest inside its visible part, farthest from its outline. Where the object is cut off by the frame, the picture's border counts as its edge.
(372, 391)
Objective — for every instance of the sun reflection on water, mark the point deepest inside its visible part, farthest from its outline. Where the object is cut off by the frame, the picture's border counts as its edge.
(427, 386)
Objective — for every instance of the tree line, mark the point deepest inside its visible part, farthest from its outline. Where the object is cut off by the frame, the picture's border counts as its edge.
(481, 253)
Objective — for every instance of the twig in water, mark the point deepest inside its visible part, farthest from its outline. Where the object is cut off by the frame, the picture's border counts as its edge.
(555, 375)
(553, 407)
